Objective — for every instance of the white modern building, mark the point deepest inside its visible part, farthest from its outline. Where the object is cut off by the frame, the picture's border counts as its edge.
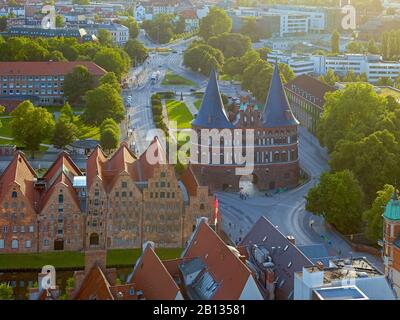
(372, 65)
(292, 20)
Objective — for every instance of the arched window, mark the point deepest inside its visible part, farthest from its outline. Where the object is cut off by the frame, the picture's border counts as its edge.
(14, 194)
(60, 198)
(94, 239)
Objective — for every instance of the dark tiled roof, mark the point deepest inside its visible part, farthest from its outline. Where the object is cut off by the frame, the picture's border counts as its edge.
(312, 87)
(212, 113)
(277, 112)
(287, 258)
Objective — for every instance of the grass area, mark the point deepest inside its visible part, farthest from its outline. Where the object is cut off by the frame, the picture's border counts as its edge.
(5, 129)
(197, 104)
(178, 111)
(172, 79)
(117, 257)
(85, 131)
(390, 92)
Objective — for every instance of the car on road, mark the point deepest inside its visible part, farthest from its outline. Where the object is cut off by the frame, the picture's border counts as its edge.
(192, 90)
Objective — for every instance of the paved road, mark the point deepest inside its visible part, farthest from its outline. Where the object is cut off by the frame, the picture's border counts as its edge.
(287, 210)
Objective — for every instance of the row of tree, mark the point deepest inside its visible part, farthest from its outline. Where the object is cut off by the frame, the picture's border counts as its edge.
(361, 131)
(232, 54)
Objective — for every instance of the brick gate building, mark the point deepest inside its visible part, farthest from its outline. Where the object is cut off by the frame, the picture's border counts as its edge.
(274, 152)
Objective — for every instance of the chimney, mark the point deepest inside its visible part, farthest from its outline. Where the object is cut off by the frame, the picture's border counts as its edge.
(291, 239)
(95, 257)
(320, 265)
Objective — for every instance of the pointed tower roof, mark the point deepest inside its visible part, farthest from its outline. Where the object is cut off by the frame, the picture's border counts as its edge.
(392, 209)
(277, 112)
(212, 113)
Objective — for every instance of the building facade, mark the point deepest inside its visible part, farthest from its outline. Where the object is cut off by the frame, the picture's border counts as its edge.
(391, 242)
(121, 202)
(40, 82)
(307, 98)
(273, 153)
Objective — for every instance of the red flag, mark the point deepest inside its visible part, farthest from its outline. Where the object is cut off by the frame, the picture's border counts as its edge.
(216, 211)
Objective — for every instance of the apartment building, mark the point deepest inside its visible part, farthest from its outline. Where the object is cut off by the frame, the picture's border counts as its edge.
(40, 82)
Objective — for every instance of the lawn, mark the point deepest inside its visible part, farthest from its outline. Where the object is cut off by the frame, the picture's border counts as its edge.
(117, 257)
(178, 111)
(172, 79)
(197, 104)
(5, 129)
(85, 131)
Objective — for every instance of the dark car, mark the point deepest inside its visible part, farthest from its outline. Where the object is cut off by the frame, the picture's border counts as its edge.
(192, 90)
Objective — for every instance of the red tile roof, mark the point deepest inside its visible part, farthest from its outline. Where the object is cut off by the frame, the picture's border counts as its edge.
(151, 276)
(94, 286)
(189, 14)
(224, 265)
(27, 68)
(311, 86)
(19, 171)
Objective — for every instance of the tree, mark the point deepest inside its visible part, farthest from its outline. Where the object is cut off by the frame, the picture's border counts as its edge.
(64, 133)
(231, 44)
(60, 22)
(57, 56)
(330, 78)
(202, 58)
(160, 29)
(132, 25)
(67, 112)
(257, 78)
(335, 41)
(385, 82)
(373, 216)
(338, 198)
(113, 60)
(6, 292)
(102, 103)
(350, 76)
(112, 80)
(355, 47)
(255, 29)
(180, 25)
(349, 114)
(105, 38)
(372, 48)
(215, 23)
(109, 139)
(77, 83)
(264, 52)
(372, 159)
(3, 24)
(136, 51)
(31, 125)
(286, 72)
(81, 2)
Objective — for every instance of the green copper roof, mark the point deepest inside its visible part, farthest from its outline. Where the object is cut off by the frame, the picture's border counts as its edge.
(392, 210)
